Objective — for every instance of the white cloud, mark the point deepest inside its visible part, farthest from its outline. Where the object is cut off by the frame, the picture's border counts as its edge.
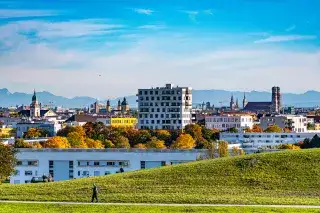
(285, 38)
(143, 11)
(192, 14)
(11, 13)
(16, 31)
(208, 12)
(71, 73)
(152, 27)
(292, 27)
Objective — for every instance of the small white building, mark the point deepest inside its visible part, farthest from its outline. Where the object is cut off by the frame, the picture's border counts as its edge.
(166, 107)
(51, 127)
(298, 123)
(224, 122)
(254, 141)
(65, 164)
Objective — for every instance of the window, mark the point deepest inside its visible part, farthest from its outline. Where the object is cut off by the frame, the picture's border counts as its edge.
(142, 164)
(19, 163)
(17, 173)
(96, 163)
(123, 163)
(28, 173)
(50, 164)
(70, 164)
(85, 173)
(110, 163)
(32, 163)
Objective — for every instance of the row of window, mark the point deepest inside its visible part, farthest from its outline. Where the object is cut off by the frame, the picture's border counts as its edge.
(163, 92)
(142, 122)
(26, 173)
(27, 163)
(228, 119)
(159, 115)
(103, 163)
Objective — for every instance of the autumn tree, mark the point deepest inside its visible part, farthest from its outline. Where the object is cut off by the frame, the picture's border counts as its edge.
(93, 144)
(57, 142)
(184, 141)
(36, 145)
(194, 130)
(163, 135)
(235, 151)
(143, 136)
(108, 144)
(155, 143)
(206, 133)
(211, 146)
(76, 140)
(34, 133)
(273, 129)
(223, 149)
(121, 142)
(255, 129)
(289, 146)
(8, 161)
(140, 146)
(241, 152)
(20, 143)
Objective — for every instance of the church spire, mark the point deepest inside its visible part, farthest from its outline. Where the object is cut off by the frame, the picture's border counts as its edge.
(34, 97)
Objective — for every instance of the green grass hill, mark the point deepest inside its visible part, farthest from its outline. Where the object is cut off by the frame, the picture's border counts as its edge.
(287, 177)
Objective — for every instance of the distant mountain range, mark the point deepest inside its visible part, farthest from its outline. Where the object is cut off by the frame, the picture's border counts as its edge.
(216, 97)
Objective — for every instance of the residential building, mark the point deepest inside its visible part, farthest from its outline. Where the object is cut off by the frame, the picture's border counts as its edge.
(119, 121)
(65, 164)
(166, 107)
(225, 122)
(51, 127)
(251, 142)
(9, 121)
(80, 120)
(297, 123)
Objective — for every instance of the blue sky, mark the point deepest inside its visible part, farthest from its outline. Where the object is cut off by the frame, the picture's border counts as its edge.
(109, 48)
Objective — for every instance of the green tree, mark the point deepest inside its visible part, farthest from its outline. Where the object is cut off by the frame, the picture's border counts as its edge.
(108, 144)
(121, 142)
(76, 140)
(206, 133)
(310, 126)
(8, 161)
(223, 149)
(211, 146)
(233, 130)
(143, 136)
(273, 128)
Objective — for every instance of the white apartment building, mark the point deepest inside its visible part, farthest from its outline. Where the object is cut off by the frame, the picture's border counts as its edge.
(253, 141)
(224, 122)
(298, 122)
(51, 127)
(65, 164)
(166, 107)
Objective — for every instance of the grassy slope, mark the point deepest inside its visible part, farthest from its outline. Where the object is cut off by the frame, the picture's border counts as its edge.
(289, 177)
(53, 208)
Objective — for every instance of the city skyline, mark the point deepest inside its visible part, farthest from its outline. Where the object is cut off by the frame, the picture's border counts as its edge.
(76, 48)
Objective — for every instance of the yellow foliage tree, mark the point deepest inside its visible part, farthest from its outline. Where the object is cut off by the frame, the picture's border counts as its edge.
(140, 146)
(235, 151)
(36, 145)
(94, 144)
(273, 128)
(155, 143)
(32, 133)
(57, 142)
(289, 146)
(184, 141)
(223, 149)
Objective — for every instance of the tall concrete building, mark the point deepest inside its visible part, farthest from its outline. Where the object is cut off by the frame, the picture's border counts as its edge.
(276, 99)
(166, 107)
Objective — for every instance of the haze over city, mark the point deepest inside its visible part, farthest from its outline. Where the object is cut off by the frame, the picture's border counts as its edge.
(108, 49)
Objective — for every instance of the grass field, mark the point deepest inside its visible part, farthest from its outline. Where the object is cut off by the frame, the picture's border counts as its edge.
(55, 208)
(288, 177)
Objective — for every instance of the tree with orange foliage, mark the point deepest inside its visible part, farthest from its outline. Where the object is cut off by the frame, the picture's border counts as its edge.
(155, 143)
(273, 128)
(94, 144)
(287, 130)
(255, 129)
(121, 142)
(57, 142)
(184, 141)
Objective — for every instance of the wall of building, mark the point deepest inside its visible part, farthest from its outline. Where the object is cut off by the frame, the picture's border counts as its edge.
(78, 163)
(227, 122)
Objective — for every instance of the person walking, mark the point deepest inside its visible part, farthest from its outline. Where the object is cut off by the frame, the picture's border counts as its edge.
(94, 193)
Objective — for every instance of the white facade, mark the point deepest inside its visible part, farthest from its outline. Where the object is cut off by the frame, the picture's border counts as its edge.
(65, 164)
(255, 141)
(166, 107)
(299, 122)
(23, 127)
(225, 122)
